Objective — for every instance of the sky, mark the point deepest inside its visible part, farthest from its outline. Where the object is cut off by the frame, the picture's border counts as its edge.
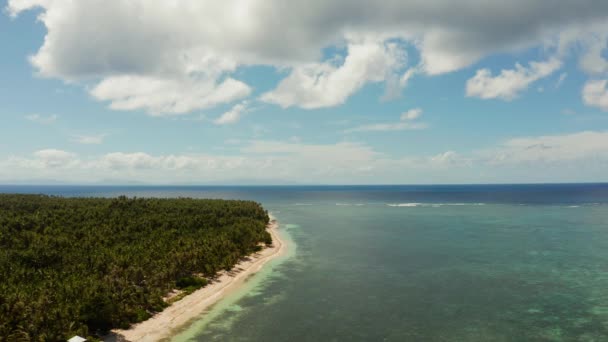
(303, 92)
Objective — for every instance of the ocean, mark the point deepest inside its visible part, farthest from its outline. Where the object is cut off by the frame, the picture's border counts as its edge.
(414, 263)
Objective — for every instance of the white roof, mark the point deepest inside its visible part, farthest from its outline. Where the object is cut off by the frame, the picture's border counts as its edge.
(77, 339)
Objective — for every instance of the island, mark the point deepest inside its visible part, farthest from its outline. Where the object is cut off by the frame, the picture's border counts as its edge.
(97, 266)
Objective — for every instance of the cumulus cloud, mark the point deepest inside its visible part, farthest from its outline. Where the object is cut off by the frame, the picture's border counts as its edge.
(47, 159)
(232, 116)
(509, 83)
(43, 120)
(140, 55)
(593, 60)
(406, 123)
(327, 85)
(167, 96)
(54, 158)
(193, 47)
(595, 94)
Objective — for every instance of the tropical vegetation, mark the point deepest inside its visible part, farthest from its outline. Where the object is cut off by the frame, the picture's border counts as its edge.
(82, 266)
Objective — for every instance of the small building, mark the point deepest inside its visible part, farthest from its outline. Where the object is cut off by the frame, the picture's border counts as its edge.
(77, 339)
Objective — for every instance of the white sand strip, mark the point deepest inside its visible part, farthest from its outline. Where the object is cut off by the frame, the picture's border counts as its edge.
(165, 323)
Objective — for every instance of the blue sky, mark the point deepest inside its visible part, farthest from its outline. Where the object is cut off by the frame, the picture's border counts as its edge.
(401, 93)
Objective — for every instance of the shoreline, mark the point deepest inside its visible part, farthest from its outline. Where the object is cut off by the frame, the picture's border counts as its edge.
(163, 324)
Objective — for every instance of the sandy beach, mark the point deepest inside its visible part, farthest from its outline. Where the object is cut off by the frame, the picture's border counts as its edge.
(164, 324)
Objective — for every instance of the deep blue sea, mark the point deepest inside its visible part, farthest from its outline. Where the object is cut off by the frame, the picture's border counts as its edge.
(414, 263)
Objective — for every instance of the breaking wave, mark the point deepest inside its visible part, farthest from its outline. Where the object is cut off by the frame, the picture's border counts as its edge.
(434, 205)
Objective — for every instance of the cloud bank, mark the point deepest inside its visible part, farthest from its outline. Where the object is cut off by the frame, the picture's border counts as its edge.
(579, 156)
(171, 58)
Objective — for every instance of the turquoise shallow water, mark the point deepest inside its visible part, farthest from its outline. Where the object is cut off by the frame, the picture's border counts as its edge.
(510, 263)
(450, 273)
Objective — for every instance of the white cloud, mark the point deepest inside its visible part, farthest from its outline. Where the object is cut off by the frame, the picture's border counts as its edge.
(233, 115)
(335, 162)
(449, 159)
(43, 120)
(326, 85)
(581, 146)
(144, 162)
(592, 61)
(338, 151)
(95, 139)
(405, 78)
(53, 157)
(167, 96)
(156, 63)
(295, 139)
(561, 79)
(47, 159)
(411, 114)
(120, 160)
(395, 84)
(383, 127)
(595, 94)
(509, 83)
(406, 123)
(194, 47)
(437, 56)
(580, 156)
(259, 159)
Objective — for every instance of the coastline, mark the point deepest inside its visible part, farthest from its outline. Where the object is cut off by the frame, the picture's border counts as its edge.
(163, 324)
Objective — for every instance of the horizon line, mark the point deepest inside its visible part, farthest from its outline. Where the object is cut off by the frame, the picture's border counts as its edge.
(302, 185)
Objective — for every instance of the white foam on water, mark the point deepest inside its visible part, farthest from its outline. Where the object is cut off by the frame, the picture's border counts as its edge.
(434, 205)
(405, 205)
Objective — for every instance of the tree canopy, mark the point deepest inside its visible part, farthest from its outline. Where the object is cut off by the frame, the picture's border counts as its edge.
(82, 266)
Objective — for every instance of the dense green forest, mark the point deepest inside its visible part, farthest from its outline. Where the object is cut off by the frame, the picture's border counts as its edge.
(81, 266)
